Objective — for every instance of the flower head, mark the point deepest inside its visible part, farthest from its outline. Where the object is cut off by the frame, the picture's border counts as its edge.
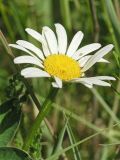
(58, 60)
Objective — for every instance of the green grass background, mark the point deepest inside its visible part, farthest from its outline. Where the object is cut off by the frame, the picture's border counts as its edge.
(89, 110)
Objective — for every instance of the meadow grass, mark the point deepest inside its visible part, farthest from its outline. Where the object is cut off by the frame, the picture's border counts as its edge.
(80, 125)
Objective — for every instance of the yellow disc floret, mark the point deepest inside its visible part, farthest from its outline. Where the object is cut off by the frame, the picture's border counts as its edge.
(62, 66)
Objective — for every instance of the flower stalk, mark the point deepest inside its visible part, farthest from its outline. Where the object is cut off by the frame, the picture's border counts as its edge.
(46, 107)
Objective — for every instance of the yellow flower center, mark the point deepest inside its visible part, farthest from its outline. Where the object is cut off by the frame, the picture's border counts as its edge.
(62, 66)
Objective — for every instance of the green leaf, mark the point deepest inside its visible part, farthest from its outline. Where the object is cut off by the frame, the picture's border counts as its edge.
(4, 108)
(8, 153)
(9, 121)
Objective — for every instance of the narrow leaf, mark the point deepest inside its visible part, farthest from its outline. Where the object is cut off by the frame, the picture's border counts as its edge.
(8, 153)
(9, 122)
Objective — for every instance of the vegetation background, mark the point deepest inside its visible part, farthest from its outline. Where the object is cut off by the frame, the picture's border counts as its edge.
(87, 110)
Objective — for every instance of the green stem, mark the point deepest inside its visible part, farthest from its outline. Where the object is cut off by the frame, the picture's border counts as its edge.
(42, 114)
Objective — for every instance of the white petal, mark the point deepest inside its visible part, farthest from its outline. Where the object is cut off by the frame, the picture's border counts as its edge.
(28, 59)
(105, 78)
(31, 47)
(40, 38)
(75, 43)
(100, 82)
(95, 80)
(58, 81)
(87, 85)
(45, 47)
(34, 34)
(103, 60)
(55, 85)
(22, 49)
(51, 40)
(84, 59)
(86, 50)
(62, 38)
(33, 72)
(83, 81)
(98, 55)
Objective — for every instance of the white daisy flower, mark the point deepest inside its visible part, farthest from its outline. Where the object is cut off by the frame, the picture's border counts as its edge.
(57, 59)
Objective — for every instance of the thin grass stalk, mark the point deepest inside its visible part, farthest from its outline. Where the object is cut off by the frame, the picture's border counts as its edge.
(76, 152)
(112, 32)
(105, 105)
(82, 120)
(65, 14)
(115, 104)
(96, 27)
(53, 157)
(117, 8)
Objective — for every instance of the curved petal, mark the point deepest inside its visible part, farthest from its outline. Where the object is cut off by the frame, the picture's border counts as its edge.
(22, 49)
(83, 81)
(84, 60)
(105, 78)
(75, 43)
(87, 84)
(31, 47)
(86, 50)
(91, 82)
(99, 80)
(51, 40)
(34, 34)
(62, 38)
(40, 38)
(103, 60)
(28, 59)
(98, 55)
(33, 72)
(45, 47)
(55, 85)
(58, 81)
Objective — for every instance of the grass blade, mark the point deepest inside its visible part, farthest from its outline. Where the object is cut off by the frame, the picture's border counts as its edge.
(76, 144)
(59, 142)
(72, 139)
(112, 15)
(65, 14)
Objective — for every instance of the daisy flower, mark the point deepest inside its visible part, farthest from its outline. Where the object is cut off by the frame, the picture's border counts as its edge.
(57, 59)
